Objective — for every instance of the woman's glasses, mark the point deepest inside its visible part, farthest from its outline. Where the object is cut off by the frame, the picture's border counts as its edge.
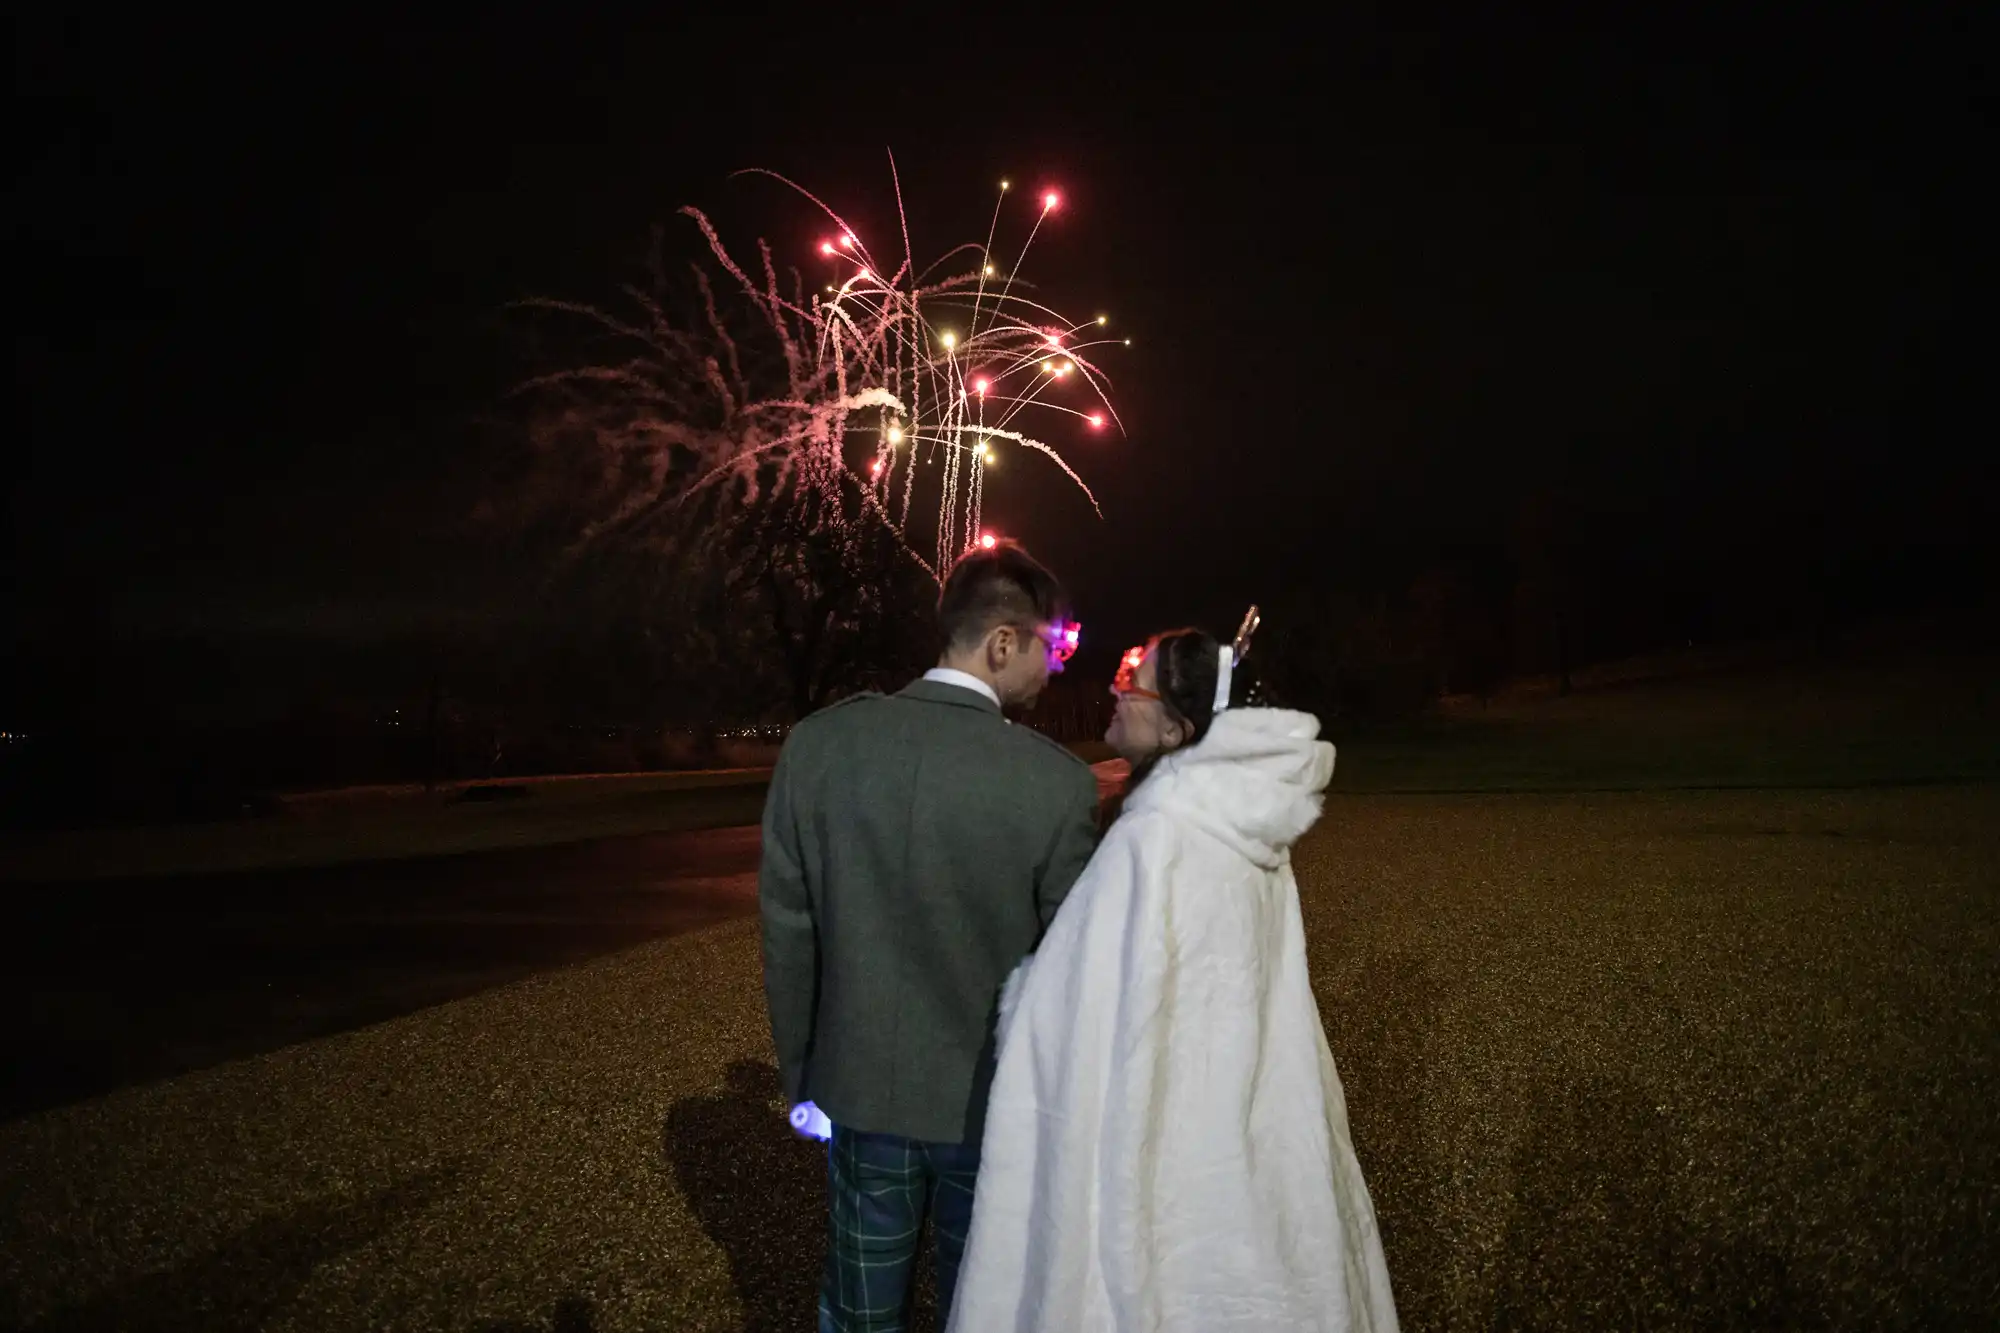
(1126, 682)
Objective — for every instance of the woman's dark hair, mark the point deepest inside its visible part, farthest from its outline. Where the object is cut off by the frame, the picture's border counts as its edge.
(1184, 665)
(1001, 585)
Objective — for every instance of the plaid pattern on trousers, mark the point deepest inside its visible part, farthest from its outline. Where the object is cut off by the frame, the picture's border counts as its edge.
(879, 1188)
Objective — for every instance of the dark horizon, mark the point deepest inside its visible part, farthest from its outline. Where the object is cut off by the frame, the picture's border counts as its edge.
(1708, 289)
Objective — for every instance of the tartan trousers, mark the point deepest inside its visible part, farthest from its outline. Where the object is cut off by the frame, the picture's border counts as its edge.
(879, 1187)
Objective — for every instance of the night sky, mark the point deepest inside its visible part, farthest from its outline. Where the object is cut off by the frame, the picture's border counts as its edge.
(1724, 286)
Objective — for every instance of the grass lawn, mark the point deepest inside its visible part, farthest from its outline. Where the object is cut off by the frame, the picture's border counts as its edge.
(386, 823)
(1760, 726)
(1717, 1060)
(1750, 727)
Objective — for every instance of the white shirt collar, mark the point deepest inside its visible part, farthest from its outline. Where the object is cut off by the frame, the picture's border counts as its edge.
(964, 680)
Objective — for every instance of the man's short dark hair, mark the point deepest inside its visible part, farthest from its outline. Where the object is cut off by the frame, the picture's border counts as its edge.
(1000, 586)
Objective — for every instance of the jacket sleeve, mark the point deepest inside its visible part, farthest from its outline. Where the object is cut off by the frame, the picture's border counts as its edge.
(791, 938)
(1075, 839)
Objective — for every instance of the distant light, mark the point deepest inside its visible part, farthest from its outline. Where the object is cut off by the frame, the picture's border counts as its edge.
(1050, 200)
(866, 274)
(986, 455)
(1049, 366)
(987, 541)
(989, 270)
(826, 247)
(979, 387)
(950, 340)
(1128, 342)
(876, 470)
(1101, 320)
(847, 242)
(1003, 185)
(1055, 339)
(1097, 419)
(895, 434)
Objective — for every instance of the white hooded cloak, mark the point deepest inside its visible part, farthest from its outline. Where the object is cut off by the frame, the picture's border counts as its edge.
(1167, 1145)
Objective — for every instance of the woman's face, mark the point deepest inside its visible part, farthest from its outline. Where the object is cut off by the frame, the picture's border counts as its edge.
(1143, 725)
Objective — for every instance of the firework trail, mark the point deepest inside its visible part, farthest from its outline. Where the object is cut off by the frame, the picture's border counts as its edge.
(891, 392)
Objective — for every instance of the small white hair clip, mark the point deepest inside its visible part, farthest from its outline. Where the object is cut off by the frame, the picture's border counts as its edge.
(1232, 653)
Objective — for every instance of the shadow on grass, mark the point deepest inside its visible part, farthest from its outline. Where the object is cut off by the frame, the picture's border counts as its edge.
(759, 1192)
(572, 1314)
(241, 1285)
(1599, 1240)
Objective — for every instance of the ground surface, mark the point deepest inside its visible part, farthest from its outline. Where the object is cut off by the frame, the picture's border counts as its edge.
(385, 823)
(114, 981)
(1734, 722)
(1658, 1059)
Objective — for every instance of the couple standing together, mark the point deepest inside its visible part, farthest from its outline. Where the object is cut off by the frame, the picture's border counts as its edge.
(1095, 1066)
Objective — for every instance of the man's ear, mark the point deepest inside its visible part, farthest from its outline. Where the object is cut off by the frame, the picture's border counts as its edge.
(999, 645)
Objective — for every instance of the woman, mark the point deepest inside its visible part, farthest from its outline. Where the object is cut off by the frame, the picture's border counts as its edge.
(1166, 1144)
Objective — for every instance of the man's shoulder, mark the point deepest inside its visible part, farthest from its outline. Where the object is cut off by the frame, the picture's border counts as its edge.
(845, 702)
(860, 713)
(1044, 749)
(830, 719)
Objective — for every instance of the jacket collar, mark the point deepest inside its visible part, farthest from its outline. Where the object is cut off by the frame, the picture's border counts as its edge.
(957, 696)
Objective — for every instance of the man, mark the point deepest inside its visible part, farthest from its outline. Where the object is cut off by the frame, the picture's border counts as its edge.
(915, 847)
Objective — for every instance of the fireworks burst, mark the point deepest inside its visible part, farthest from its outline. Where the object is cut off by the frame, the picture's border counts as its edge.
(898, 388)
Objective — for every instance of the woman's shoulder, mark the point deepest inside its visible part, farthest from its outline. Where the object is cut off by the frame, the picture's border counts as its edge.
(1138, 828)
